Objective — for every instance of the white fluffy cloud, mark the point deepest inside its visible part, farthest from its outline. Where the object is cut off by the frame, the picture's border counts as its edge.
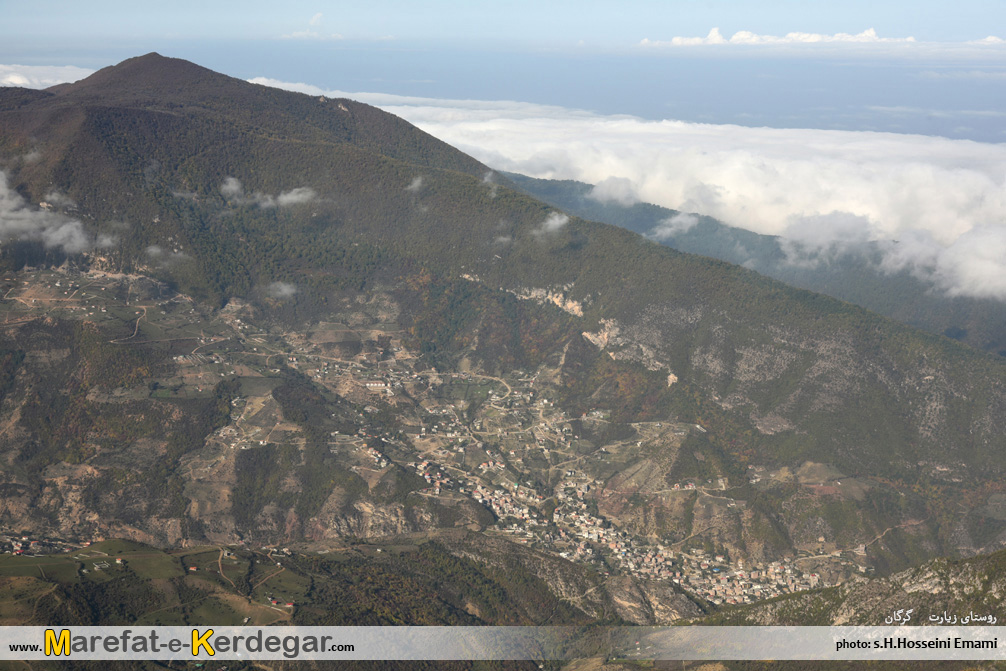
(19, 221)
(615, 189)
(298, 196)
(40, 76)
(941, 200)
(232, 188)
(746, 37)
(867, 43)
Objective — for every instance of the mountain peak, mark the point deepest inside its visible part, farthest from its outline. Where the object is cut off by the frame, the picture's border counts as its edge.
(150, 75)
(152, 85)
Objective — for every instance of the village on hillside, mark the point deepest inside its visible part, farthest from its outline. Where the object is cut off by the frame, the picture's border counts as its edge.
(500, 441)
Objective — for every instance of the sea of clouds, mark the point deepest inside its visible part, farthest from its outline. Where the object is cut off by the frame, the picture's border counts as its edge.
(936, 205)
(40, 76)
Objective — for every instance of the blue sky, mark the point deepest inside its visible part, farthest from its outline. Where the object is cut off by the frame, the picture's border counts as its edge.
(527, 22)
(583, 54)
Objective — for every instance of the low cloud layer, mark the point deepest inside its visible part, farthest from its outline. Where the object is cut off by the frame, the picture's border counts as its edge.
(40, 76)
(826, 189)
(234, 192)
(20, 221)
(615, 189)
(936, 204)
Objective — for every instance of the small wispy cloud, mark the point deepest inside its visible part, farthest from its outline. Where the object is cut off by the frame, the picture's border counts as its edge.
(106, 240)
(490, 179)
(963, 74)
(164, 258)
(673, 226)
(280, 290)
(931, 112)
(57, 198)
(313, 32)
(415, 185)
(746, 37)
(298, 196)
(234, 192)
(553, 223)
(311, 35)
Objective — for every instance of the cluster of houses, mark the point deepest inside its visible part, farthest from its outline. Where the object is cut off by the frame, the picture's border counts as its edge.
(15, 544)
(517, 503)
(579, 535)
(380, 460)
(586, 538)
(717, 581)
(434, 476)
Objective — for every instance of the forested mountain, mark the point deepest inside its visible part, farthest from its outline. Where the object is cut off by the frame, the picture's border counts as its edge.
(213, 286)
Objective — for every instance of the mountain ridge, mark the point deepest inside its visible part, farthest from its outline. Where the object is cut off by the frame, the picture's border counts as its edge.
(174, 86)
